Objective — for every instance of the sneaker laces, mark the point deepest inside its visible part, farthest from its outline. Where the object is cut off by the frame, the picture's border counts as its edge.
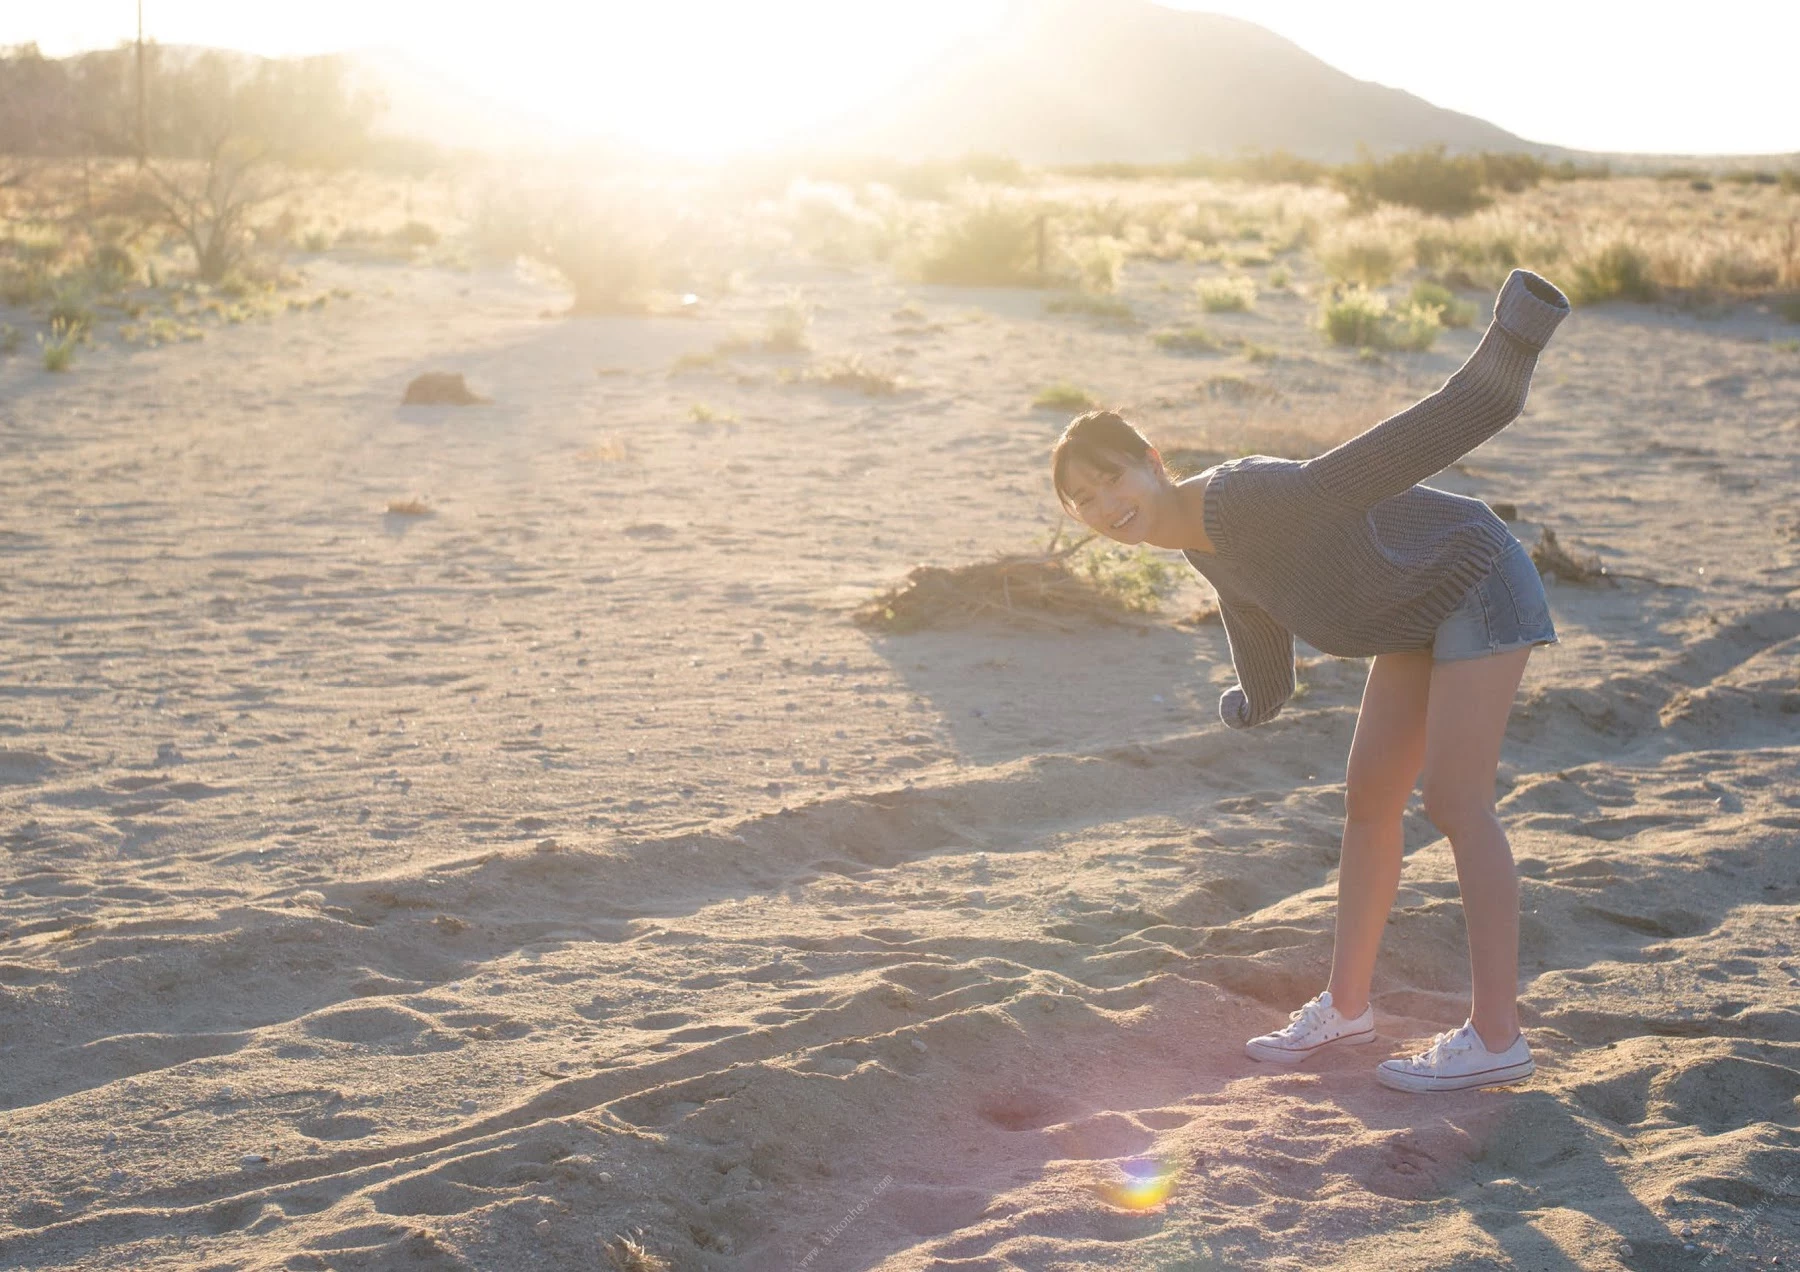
(1306, 1019)
(1442, 1047)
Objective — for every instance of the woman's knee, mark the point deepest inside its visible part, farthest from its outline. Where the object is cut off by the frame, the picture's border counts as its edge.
(1371, 798)
(1456, 806)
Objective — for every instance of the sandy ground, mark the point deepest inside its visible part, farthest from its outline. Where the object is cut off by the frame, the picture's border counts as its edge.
(460, 891)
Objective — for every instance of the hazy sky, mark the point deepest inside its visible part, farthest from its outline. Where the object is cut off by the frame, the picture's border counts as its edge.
(705, 76)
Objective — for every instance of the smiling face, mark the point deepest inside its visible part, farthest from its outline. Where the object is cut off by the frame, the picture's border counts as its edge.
(1115, 494)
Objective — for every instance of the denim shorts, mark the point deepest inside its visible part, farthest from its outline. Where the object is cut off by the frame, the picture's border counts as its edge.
(1506, 610)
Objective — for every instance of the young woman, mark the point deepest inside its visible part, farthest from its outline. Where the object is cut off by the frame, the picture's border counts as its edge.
(1349, 553)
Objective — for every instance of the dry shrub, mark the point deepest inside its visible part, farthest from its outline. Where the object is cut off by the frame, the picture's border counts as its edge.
(1089, 305)
(606, 450)
(628, 1253)
(1041, 589)
(1226, 295)
(848, 373)
(1363, 319)
(1551, 558)
(411, 507)
(1365, 252)
(1618, 271)
(993, 244)
(1427, 179)
(1188, 340)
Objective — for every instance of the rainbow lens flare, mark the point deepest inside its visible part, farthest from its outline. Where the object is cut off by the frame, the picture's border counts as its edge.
(1147, 1183)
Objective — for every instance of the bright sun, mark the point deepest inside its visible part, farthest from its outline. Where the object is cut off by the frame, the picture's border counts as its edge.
(705, 79)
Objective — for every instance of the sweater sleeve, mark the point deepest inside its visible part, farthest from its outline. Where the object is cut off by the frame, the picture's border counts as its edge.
(1481, 398)
(1262, 652)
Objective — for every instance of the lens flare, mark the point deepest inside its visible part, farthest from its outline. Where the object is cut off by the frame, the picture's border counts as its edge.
(1146, 1184)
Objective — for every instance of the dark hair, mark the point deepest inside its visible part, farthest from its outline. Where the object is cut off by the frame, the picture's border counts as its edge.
(1099, 438)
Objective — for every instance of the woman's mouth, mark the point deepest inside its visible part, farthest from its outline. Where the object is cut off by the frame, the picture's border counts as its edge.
(1125, 520)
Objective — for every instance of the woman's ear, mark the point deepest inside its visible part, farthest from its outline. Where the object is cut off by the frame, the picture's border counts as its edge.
(1156, 462)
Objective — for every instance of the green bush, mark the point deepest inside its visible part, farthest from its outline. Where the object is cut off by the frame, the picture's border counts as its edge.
(1188, 340)
(1511, 172)
(1225, 295)
(113, 267)
(1413, 327)
(1451, 311)
(1426, 179)
(1063, 396)
(1353, 317)
(990, 245)
(59, 350)
(1090, 306)
(69, 310)
(1619, 272)
(1366, 260)
(1137, 578)
(1361, 318)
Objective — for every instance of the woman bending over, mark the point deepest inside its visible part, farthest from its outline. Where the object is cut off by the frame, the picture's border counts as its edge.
(1348, 552)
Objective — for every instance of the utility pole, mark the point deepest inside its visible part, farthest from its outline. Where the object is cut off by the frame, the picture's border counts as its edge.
(143, 142)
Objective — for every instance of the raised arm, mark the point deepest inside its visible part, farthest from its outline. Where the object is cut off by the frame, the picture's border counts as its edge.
(1262, 651)
(1479, 400)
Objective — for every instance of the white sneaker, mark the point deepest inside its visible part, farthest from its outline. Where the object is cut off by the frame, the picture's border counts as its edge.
(1456, 1060)
(1316, 1025)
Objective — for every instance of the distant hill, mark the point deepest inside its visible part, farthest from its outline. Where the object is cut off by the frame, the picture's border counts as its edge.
(1080, 81)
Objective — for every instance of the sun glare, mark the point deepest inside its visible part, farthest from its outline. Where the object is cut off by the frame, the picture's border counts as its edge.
(703, 80)
(697, 79)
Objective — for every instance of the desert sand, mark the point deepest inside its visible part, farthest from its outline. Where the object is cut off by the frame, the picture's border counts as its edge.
(469, 889)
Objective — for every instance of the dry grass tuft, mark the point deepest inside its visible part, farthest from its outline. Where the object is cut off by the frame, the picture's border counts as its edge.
(411, 507)
(1063, 396)
(606, 450)
(627, 1253)
(848, 373)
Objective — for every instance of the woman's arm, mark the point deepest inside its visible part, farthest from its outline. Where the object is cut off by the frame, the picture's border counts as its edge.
(1262, 651)
(1482, 398)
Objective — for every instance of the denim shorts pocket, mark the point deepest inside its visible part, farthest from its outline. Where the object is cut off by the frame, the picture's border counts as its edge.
(1525, 585)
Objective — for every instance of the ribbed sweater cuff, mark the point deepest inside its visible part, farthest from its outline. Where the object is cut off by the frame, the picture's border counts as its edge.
(1529, 307)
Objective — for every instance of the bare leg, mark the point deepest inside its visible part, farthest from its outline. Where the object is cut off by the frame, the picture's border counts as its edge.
(1385, 757)
(1465, 724)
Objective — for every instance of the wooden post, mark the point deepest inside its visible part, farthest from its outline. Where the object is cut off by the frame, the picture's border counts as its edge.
(143, 140)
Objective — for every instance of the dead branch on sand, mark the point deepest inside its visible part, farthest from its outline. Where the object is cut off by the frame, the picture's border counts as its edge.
(1551, 558)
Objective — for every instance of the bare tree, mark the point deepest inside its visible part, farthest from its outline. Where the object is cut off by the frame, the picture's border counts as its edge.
(210, 202)
(234, 133)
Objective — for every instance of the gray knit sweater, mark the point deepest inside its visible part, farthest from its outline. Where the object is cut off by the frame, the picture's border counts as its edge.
(1345, 550)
